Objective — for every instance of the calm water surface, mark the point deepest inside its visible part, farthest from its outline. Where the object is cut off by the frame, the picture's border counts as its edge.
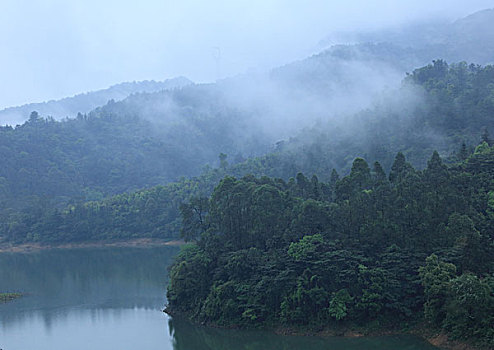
(112, 299)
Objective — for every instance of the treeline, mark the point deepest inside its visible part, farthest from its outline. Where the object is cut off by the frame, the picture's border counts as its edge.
(152, 213)
(83, 159)
(364, 250)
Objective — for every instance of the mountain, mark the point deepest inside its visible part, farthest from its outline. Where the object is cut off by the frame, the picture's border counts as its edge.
(469, 39)
(439, 108)
(473, 36)
(313, 115)
(83, 103)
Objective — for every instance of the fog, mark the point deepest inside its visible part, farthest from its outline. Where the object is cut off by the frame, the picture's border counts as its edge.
(54, 48)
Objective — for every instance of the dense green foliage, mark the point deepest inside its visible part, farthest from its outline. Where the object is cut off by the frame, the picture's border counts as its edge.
(83, 158)
(349, 251)
(443, 107)
(109, 151)
(463, 305)
(153, 138)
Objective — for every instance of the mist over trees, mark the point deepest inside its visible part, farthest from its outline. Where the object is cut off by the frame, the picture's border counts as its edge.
(466, 39)
(69, 107)
(440, 107)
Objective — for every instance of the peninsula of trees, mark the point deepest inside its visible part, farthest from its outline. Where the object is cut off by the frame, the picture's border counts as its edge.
(367, 250)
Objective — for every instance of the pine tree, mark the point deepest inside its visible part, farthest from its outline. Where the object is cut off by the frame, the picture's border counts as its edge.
(463, 153)
(486, 137)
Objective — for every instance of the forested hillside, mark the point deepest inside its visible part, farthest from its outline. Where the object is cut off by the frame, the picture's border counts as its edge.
(369, 250)
(154, 138)
(112, 150)
(87, 158)
(439, 107)
(310, 109)
(69, 107)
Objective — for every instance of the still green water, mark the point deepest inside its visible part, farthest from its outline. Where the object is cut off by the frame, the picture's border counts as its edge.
(111, 298)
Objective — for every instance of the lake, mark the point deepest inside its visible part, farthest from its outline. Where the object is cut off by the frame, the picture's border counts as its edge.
(111, 298)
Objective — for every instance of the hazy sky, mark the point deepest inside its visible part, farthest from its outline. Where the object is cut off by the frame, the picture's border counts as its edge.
(56, 48)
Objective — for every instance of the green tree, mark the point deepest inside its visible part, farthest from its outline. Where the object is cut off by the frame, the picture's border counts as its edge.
(194, 221)
(470, 308)
(436, 276)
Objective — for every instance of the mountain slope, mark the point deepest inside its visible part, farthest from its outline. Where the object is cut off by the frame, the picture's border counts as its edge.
(469, 39)
(452, 106)
(150, 139)
(83, 103)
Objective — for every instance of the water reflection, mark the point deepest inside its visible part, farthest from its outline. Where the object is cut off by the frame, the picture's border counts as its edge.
(112, 299)
(187, 337)
(59, 282)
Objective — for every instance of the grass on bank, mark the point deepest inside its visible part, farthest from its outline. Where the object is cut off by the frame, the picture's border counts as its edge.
(6, 297)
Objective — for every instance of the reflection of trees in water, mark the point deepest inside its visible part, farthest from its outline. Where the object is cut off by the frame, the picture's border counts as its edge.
(59, 281)
(187, 336)
(107, 282)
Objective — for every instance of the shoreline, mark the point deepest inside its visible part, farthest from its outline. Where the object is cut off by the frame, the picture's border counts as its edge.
(434, 337)
(132, 243)
(443, 341)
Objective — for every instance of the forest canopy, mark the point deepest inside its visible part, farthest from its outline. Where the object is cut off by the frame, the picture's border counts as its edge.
(368, 249)
(67, 181)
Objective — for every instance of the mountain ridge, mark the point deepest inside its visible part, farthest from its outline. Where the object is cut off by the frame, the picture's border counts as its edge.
(87, 101)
